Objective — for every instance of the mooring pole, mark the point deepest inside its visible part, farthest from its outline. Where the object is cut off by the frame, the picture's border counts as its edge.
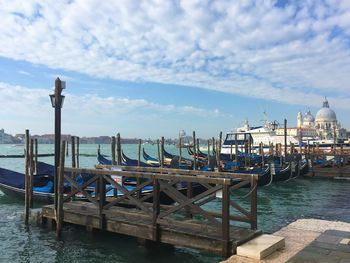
(285, 139)
(119, 150)
(162, 152)
(31, 173)
(26, 180)
(77, 156)
(180, 151)
(113, 150)
(36, 155)
(73, 151)
(139, 154)
(208, 155)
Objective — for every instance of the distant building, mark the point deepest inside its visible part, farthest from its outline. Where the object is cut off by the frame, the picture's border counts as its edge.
(324, 127)
(7, 138)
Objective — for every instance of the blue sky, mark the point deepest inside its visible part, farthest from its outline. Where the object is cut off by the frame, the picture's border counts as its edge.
(152, 68)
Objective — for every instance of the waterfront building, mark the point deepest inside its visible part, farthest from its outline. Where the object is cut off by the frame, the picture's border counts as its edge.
(325, 127)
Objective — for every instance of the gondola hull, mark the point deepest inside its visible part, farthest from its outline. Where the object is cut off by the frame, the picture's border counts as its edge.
(18, 193)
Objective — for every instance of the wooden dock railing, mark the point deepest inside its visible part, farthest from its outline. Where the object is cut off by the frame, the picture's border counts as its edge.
(160, 195)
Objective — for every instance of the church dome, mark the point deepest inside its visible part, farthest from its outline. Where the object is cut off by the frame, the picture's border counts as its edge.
(325, 114)
(308, 117)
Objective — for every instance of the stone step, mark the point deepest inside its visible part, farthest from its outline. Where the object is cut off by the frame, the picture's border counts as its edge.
(261, 246)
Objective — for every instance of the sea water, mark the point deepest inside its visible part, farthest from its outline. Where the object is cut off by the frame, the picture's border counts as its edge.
(278, 205)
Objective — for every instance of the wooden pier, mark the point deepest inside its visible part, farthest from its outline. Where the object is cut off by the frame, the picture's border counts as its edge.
(171, 213)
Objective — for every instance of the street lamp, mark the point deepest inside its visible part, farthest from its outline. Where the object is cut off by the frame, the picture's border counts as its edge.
(57, 100)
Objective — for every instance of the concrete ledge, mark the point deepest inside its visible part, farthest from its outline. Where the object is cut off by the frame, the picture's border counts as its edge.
(261, 246)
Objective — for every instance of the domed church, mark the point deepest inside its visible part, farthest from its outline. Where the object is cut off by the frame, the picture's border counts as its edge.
(324, 126)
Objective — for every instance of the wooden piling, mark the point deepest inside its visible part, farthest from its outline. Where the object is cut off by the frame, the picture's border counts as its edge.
(67, 151)
(113, 150)
(194, 150)
(254, 202)
(73, 151)
(156, 209)
(236, 149)
(208, 152)
(101, 202)
(225, 220)
(77, 155)
(285, 138)
(138, 181)
(119, 150)
(31, 173)
(180, 150)
(159, 157)
(139, 153)
(162, 152)
(36, 156)
(26, 179)
(59, 212)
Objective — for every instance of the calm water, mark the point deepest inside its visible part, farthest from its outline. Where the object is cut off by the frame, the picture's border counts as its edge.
(279, 204)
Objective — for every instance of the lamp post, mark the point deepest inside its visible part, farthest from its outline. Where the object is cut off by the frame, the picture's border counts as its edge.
(57, 100)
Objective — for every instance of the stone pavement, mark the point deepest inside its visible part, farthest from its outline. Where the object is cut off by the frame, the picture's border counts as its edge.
(331, 246)
(299, 235)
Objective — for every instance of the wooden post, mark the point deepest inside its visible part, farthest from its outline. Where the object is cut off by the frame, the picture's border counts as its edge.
(77, 155)
(139, 154)
(218, 155)
(36, 155)
(26, 179)
(220, 142)
(67, 151)
(231, 156)
(180, 151)
(214, 145)
(159, 159)
(102, 201)
(342, 159)
(31, 173)
(119, 150)
(225, 220)
(162, 152)
(59, 212)
(194, 150)
(156, 209)
(208, 155)
(254, 202)
(262, 154)
(285, 139)
(138, 181)
(236, 149)
(198, 148)
(113, 150)
(73, 151)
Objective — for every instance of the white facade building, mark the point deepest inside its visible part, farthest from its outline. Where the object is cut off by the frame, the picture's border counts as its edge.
(324, 127)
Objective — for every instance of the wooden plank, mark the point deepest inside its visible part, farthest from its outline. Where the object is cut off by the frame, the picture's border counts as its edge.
(123, 221)
(150, 175)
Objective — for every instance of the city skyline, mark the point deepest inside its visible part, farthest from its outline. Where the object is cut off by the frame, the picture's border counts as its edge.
(151, 69)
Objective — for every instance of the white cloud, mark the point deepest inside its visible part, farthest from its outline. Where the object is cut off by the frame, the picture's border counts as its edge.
(30, 107)
(295, 54)
(24, 72)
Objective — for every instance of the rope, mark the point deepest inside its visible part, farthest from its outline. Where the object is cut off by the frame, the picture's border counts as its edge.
(244, 196)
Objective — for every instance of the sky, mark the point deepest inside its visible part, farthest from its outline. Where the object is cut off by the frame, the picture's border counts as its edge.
(153, 68)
